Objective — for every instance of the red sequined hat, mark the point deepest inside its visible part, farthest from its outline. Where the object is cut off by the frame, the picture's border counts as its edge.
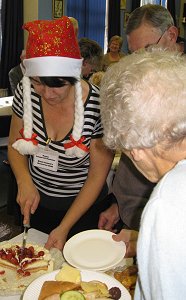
(52, 49)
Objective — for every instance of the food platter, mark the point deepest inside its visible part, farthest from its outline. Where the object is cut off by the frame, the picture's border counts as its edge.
(33, 290)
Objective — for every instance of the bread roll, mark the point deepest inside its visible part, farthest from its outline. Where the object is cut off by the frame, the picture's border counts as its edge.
(50, 288)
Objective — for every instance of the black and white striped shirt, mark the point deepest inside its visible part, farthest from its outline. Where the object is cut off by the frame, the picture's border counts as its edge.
(72, 172)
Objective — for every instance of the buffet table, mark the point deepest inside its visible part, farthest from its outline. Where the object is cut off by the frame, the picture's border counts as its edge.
(6, 106)
(38, 237)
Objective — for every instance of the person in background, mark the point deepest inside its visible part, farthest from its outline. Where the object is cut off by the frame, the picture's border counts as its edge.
(152, 24)
(92, 54)
(16, 74)
(147, 25)
(145, 117)
(75, 25)
(55, 142)
(114, 53)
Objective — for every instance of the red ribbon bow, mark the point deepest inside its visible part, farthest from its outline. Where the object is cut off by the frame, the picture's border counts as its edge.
(78, 143)
(32, 139)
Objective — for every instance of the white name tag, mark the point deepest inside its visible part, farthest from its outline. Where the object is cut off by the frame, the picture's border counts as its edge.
(46, 159)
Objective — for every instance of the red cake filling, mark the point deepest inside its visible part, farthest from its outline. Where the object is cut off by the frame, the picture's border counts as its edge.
(19, 258)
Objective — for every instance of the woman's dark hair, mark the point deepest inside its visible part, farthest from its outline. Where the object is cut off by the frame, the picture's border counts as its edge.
(57, 81)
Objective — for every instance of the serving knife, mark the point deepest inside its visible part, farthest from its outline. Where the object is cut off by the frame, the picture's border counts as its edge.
(25, 234)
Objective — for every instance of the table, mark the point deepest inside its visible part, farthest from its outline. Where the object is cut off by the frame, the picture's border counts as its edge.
(38, 237)
(6, 106)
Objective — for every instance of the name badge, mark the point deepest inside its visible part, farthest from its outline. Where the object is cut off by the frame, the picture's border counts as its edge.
(46, 159)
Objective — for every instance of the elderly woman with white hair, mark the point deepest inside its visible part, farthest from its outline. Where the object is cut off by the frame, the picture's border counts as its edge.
(143, 106)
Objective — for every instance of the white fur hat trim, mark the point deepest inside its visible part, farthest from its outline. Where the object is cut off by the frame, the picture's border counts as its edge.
(53, 66)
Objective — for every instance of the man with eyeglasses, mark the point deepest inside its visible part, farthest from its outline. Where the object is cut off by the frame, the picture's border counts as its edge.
(150, 25)
(147, 25)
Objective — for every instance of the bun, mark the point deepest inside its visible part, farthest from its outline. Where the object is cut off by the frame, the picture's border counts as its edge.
(50, 288)
(53, 297)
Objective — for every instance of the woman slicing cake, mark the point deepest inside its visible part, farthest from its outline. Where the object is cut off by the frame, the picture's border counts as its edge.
(55, 142)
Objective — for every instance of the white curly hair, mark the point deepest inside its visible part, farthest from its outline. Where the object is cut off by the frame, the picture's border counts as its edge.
(143, 100)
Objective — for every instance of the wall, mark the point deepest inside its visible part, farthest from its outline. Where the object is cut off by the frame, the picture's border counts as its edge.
(123, 15)
(44, 9)
(30, 9)
(36, 10)
(182, 27)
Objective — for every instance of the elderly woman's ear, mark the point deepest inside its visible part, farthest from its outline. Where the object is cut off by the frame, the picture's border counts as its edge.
(135, 154)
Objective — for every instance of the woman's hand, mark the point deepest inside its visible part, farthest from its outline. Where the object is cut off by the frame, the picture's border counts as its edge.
(109, 218)
(28, 198)
(57, 238)
(130, 238)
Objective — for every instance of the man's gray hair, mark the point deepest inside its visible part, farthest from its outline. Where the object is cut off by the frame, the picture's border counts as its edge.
(155, 15)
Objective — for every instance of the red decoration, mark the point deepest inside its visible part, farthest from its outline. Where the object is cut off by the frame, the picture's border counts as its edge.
(32, 139)
(78, 144)
(51, 38)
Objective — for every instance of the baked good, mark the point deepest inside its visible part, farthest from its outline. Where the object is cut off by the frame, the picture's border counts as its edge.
(33, 258)
(19, 268)
(50, 288)
(127, 277)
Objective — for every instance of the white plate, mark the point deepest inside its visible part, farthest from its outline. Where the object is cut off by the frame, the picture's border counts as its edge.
(94, 250)
(33, 290)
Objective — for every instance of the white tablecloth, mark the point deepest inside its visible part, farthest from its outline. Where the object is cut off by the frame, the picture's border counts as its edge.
(6, 106)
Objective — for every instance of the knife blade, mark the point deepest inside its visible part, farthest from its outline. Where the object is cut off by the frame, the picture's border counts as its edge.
(25, 234)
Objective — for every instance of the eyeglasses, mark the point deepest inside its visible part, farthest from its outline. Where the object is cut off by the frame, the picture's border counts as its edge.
(160, 38)
(147, 46)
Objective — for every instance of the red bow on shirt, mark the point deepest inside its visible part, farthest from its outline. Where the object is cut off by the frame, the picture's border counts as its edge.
(32, 139)
(78, 143)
